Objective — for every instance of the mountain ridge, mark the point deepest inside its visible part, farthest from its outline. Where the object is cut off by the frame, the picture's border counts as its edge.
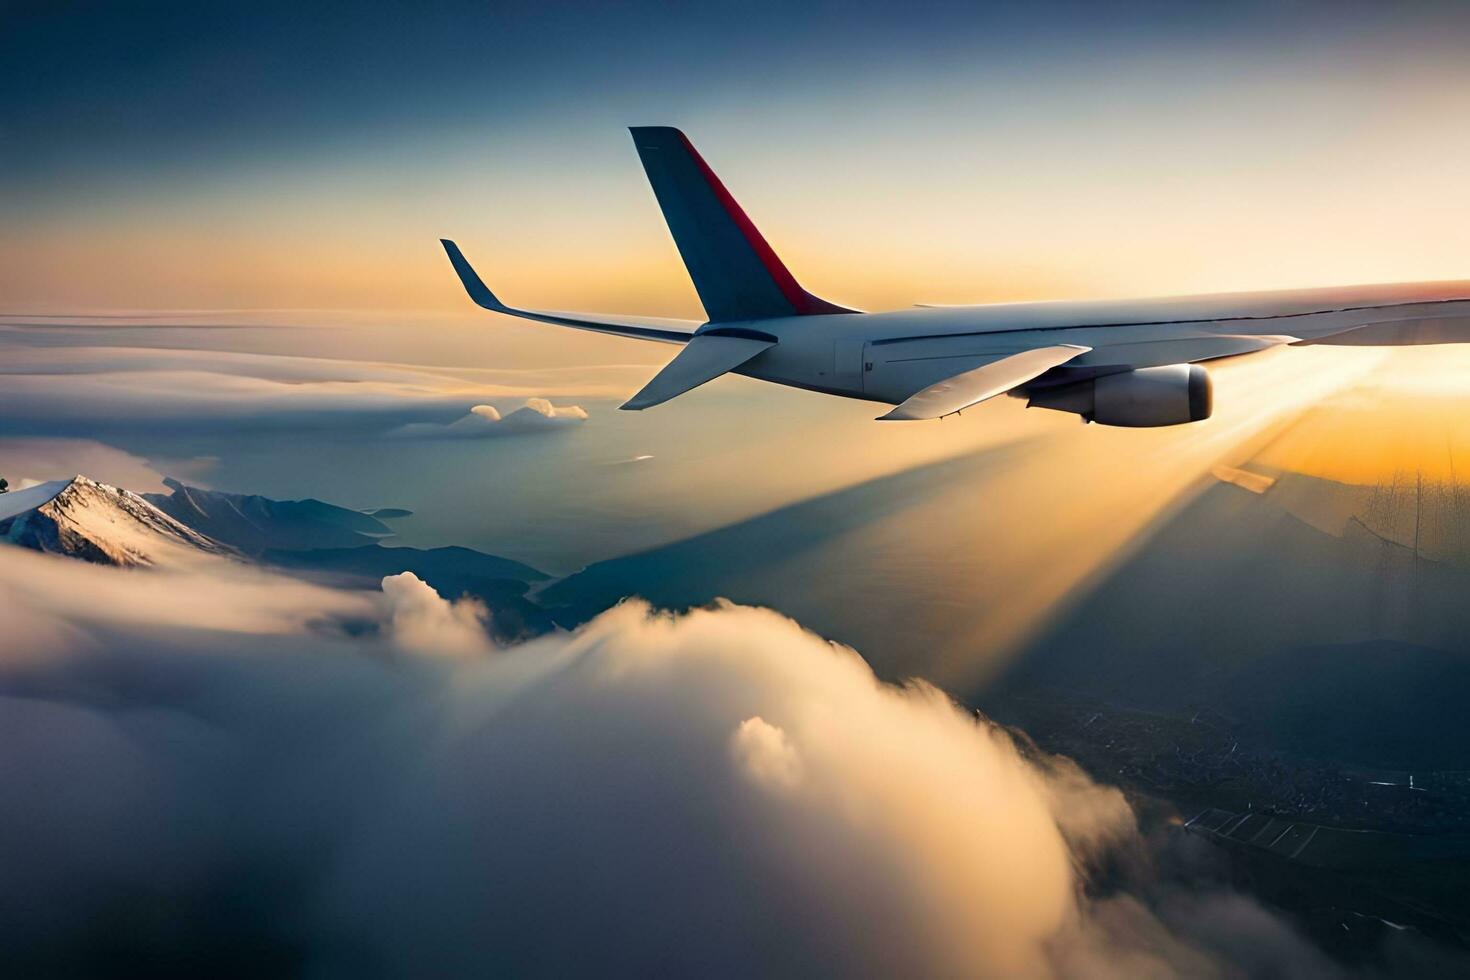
(255, 524)
(97, 522)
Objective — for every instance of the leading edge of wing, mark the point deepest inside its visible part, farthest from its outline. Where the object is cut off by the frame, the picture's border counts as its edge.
(986, 381)
(641, 328)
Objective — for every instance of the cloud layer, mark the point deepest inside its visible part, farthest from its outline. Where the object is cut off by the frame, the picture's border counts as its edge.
(58, 389)
(40, 460)
(240, 767)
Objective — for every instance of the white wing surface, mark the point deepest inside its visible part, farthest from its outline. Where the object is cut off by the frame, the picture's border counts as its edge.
(976, 385)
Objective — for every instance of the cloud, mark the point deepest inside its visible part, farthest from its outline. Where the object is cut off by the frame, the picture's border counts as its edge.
(40, 460)
(422, 622)
(202, 400)
(60, 357)
(764, 754)
(81, 390)
(207, 593)
(537, 415)
(230, 768)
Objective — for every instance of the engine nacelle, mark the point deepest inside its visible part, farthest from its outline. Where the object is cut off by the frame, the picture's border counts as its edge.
(1143, 398)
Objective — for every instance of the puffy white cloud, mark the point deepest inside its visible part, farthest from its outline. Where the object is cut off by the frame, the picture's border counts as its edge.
(219, 769)
(538, 414)
(544, 408)
(854, 825)
(763, 753)
(423, 622)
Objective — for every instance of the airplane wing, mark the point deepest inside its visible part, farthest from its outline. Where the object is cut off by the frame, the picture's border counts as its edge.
(976, 385)
(705, 358)
(641, 328)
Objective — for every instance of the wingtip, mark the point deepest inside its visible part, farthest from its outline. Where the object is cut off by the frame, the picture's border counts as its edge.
(470, 279)
(655, 137)
(641, 399)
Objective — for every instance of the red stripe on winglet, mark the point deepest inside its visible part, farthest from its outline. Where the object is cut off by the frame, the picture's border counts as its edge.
(803, 302)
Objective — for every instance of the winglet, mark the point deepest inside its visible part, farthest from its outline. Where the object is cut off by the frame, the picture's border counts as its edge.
(618, 326)
(473, 284)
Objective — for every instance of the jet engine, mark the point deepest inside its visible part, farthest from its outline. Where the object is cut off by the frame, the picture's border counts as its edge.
(1170, 395)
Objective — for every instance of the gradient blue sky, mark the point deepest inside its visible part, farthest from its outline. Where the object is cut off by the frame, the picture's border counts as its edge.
(261, 155)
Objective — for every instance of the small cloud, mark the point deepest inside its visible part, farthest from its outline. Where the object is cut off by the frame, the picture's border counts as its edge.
(422, 622)
(542, 406)
(764, 755)
(537, 415)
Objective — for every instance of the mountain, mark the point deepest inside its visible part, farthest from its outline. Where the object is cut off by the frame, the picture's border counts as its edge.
(324, 542)
(98, 523)
(255, 524)
(103, 524)
(817, 561)
(458, 569)
(500, 583)
(1298, 613)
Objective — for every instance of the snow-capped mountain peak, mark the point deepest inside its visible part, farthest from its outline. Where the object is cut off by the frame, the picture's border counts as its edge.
(99, 523)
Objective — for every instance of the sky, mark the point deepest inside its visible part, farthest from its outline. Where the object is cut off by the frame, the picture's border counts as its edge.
(264, 156)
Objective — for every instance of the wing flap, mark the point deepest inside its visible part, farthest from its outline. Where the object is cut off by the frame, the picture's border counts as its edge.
(986, 381)
(704, 358)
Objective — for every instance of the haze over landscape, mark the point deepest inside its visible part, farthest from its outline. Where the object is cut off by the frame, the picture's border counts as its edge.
(350, 630)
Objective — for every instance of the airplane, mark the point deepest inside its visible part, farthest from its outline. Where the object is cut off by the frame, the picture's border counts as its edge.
(1135, 363)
